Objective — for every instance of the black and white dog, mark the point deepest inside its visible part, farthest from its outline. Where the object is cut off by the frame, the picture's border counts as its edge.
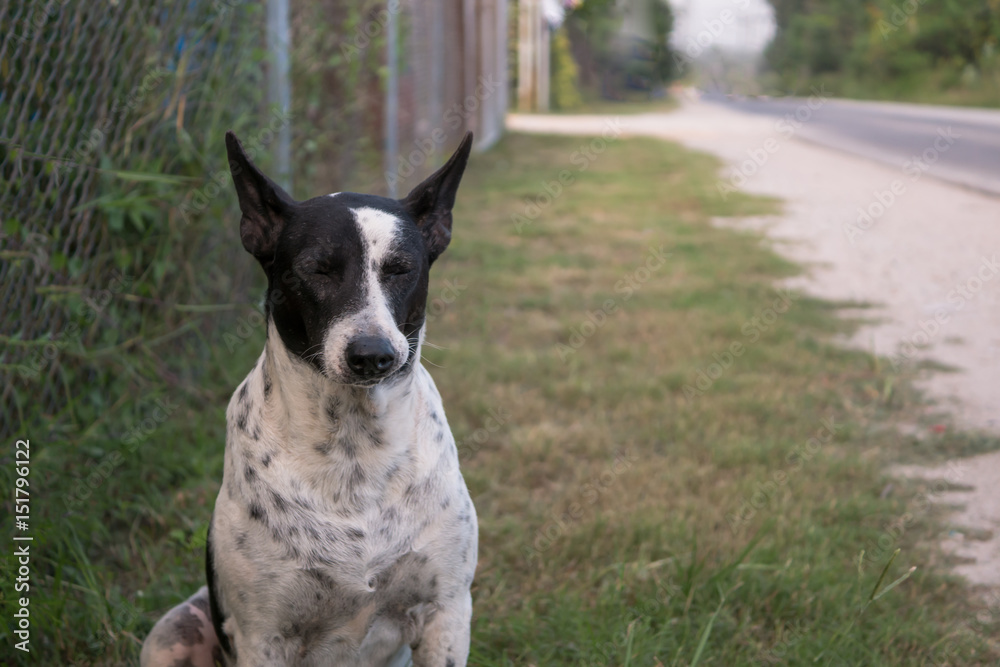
(343, 533)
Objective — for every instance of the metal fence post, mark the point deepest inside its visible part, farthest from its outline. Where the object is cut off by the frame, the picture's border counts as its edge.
(279, 87)
(391, 119)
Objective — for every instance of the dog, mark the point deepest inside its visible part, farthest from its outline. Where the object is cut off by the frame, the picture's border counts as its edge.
(343, 533)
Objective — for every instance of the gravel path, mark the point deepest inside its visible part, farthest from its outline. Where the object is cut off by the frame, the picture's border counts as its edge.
(926, 252)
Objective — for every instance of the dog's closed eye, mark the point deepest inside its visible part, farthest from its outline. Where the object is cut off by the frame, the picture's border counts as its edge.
(330, 266)
(396, 268)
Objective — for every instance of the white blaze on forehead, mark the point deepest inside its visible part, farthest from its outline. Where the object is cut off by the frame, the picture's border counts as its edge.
(378, 233)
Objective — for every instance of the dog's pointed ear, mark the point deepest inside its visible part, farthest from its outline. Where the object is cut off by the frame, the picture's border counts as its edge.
(430, 203)
(263, 203)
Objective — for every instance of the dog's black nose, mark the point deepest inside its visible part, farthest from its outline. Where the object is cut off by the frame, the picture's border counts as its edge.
(370, 356)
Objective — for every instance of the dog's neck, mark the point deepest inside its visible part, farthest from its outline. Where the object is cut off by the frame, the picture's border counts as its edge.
(307, 401)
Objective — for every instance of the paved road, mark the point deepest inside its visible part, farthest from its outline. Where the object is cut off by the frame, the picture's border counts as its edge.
(956, 144)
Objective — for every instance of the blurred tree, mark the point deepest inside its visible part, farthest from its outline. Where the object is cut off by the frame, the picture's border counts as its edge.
(565, 76)
(622, 44)
(886, 47)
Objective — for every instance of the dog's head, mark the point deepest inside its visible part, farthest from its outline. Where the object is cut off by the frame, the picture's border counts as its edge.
(347, 273)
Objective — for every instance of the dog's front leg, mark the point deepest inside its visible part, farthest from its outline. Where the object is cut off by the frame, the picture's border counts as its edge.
(445, 640)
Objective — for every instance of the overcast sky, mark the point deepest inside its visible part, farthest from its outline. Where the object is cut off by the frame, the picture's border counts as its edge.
(751, 23)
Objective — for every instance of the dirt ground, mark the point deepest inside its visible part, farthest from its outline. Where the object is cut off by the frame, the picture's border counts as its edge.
(926, 254)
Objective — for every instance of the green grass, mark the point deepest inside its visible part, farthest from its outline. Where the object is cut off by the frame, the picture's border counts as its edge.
(628, 515)
(940, 86)
(634, 102)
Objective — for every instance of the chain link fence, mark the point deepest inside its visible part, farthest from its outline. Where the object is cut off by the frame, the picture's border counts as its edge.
(113, 178)
(105, 113)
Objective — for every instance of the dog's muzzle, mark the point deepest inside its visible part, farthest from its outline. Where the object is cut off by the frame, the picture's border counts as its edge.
(370, 357)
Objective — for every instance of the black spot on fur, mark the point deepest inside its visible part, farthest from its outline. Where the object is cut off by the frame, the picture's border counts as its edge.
(357, 477)
(241, 541)
(355, 533)
(435, 418)
(445, 503)
(257, 512)
(266, 461)
(439, 436)
(449, 663)
(333, 411)
(374, 436)
(323, 448)
(280, 503)
(203, 606)
(293, 629)
(249, 474)
(243, 392)
(185, 629)
(267, 382)
(321, 578)
(351, 450)
(434, 582)
(241, 419)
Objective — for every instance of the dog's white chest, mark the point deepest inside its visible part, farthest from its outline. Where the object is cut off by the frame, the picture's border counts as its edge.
(343, 527)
